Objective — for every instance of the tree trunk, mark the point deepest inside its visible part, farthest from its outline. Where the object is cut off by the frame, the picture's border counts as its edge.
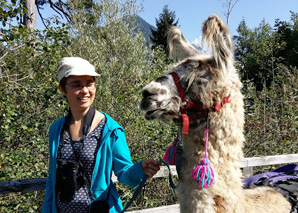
(30, 15)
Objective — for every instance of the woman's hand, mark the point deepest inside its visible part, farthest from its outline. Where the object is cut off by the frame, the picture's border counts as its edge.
(151, 167)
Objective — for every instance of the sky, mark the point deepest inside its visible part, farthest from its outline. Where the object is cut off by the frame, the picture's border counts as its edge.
(192, 13)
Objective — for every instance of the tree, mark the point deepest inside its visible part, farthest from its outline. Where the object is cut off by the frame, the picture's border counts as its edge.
(17, 15)
(59, 7)
(23, 12)
(256, 50)
(229, 6)
(270, 85)
(287, 33)
(29, 103)
(9, 12)
(65, 9)
(262, 49)
(163, 24)
(29, 14)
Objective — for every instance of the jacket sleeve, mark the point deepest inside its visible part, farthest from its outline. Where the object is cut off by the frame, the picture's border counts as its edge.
(127, 173)
(48, 201)
(47, 204)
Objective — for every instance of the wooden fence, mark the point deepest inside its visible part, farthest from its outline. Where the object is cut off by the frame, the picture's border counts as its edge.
(247, 164)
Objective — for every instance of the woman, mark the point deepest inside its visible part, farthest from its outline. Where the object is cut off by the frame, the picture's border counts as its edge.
(88, 160)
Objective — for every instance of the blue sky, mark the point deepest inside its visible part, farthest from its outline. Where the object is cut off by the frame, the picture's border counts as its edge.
(192, 13)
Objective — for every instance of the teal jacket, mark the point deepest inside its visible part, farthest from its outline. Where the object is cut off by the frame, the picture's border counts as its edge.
(113, 155)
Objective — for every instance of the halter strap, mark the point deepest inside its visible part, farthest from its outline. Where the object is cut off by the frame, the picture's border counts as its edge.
(191, 105)
(179, 86)
(217, 107)
(187, 105)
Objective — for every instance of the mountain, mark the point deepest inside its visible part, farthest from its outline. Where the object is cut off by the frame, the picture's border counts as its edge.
(197, 46)
(144, 27)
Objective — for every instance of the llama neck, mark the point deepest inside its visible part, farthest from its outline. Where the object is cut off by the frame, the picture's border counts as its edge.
(224, 151)
(224, 145)
(226, 167)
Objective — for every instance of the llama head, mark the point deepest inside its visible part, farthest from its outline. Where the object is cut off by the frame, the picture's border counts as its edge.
(206, 79)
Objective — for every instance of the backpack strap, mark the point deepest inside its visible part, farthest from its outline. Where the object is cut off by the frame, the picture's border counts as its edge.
(86, 128)
(88, 121)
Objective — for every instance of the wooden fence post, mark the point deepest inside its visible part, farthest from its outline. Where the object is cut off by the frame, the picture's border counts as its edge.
(248, 171)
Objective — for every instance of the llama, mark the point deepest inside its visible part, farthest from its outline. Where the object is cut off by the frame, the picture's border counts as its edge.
(211, 82)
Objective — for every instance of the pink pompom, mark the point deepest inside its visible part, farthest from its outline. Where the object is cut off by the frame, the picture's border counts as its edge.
(203, 174)
(170, 154)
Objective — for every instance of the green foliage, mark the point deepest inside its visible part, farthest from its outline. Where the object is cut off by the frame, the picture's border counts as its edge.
(271, 115)
(163, 24)
(287, 33)
(254, 49)
(261, 49)
(267, 67)
(9, 11)
(29, 104)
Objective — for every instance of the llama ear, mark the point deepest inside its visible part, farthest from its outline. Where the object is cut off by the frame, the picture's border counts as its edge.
(179, 47)
(217, 36)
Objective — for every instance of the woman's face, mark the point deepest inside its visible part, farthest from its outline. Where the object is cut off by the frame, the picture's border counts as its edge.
(79, 92)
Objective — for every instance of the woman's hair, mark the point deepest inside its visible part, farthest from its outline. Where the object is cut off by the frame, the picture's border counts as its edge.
(62, 83)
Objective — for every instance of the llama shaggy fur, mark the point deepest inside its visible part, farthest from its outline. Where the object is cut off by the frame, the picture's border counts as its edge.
(207, 80)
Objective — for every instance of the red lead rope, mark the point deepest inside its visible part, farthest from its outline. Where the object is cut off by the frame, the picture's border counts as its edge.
(191, 105)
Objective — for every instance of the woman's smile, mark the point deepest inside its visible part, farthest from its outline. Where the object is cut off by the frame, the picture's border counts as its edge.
(84, 99)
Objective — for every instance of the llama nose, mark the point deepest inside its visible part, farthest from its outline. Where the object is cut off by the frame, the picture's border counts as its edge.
(146, 94)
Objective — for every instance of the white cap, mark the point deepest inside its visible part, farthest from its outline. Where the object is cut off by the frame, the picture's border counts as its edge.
(75, 66)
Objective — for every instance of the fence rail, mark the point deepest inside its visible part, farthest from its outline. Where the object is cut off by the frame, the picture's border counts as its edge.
(247, 164)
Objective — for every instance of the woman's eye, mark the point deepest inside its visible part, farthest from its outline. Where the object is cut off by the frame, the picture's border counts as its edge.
(76, 85)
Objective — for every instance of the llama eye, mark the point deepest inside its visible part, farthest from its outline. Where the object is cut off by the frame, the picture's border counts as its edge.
(199, 82)
(161, 79)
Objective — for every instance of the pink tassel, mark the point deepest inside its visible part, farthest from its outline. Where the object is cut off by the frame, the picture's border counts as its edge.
(170, 155)
(203, 173)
